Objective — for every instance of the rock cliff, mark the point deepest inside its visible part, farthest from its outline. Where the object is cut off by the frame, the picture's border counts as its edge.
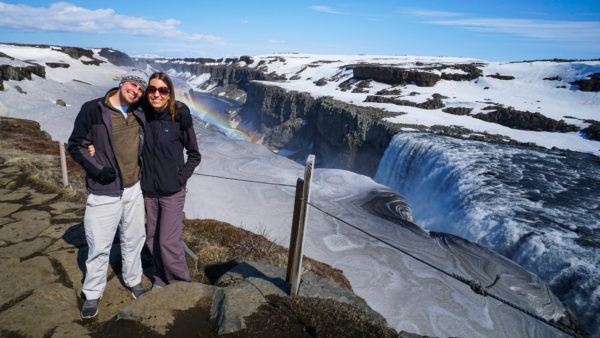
(340, 134)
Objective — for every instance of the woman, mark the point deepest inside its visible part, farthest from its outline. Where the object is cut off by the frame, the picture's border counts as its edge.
(169, 130)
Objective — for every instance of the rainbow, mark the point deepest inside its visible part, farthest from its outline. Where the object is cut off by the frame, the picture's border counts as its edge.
(214, 117)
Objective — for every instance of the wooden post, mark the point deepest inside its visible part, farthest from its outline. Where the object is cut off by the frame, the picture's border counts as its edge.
(295, 221)
(63, 164)
(295, 265)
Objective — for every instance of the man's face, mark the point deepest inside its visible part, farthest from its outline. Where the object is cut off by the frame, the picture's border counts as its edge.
(131, 92)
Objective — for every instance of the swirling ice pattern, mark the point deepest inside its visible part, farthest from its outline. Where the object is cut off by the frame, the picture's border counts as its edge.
(539, 208)
(408, 294)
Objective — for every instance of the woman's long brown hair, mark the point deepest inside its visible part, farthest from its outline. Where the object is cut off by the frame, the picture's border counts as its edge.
(171, 105)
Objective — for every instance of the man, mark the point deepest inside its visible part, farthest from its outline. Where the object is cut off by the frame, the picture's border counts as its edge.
(114, 125)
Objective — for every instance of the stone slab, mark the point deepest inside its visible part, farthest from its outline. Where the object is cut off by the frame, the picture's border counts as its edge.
(48, 307)
(23, 230)
(25, 249)
(39, 198)
(11, 169)
(63, 206)
(70, 264)
(13, 196)
(8, 208)
(21, 278)
(31, 215)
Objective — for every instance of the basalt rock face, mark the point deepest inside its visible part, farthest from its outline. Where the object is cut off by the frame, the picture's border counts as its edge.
(525, 120)
(590, 85)
(116, 57)
(8, 72)
(341, 135)
(593, 131)
(395, 75)
(433, 103)
(220, 74)
(77, 52)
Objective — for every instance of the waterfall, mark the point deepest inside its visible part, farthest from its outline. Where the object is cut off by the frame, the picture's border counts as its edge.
(539, 208)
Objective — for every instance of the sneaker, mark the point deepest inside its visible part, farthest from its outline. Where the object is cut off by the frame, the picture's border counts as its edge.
(156, 286)
(138, 290)
(89, 308)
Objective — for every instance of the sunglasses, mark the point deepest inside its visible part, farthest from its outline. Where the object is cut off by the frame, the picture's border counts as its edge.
(164, 91)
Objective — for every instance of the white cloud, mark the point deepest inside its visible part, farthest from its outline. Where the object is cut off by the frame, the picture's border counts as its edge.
(430, 13)
(538, 29)
(324, 9)
(275, 41)
(66, 17)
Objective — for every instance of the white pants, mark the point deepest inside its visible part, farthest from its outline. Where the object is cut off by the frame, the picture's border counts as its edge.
(103, 214)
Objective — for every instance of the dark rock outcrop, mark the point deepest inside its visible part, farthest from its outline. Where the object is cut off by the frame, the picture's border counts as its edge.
(221, 74)
(433, 103)
(501, 77)
(472, 72)
(389, 92)
(57, 65)
(116, 57)
(593, 130)
(77, 52)
(592, 84)
(321, 82)
(61, 102)
(525, 120)
(8, 72)
(94, 62)
(395, 75)
(458, 110)
(20, 90)
(553, 78)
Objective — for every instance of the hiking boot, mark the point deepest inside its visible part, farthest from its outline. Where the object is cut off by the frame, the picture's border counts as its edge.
(138, 290)
(89, 308)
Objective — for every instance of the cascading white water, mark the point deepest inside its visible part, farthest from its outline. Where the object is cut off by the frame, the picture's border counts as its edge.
(538, 208)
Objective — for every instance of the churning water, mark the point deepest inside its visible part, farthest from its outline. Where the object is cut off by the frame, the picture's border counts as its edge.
(539, 208)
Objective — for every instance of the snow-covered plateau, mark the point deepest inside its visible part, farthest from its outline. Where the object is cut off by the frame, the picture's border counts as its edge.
(456, 186)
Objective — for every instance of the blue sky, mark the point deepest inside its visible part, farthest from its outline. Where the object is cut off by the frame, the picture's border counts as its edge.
(491, 30)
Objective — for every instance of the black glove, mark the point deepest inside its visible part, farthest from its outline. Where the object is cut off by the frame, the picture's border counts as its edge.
(106, 175)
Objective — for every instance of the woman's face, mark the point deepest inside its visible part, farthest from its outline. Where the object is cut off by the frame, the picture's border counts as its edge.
(157, 94)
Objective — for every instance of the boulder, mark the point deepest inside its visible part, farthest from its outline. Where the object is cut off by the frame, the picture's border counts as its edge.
(71, 330)
(157, 309)
(20, 90)
(247, 284)
(61, 102)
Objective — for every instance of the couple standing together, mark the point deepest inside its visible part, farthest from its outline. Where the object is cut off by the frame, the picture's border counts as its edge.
(130, 143)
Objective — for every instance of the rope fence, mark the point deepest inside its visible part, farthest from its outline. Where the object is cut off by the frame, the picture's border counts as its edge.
(300, 210)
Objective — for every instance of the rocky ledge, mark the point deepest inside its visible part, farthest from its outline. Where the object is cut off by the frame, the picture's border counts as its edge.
(43, 251)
